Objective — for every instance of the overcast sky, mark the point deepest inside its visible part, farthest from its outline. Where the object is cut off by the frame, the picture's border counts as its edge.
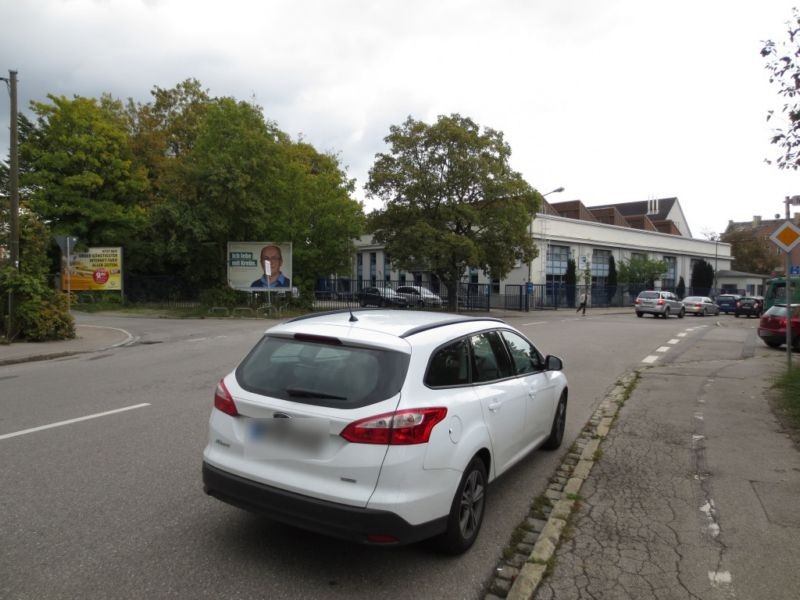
(615, 100)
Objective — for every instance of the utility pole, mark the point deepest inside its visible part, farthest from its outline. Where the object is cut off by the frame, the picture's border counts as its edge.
(13, 188)
(13, 175)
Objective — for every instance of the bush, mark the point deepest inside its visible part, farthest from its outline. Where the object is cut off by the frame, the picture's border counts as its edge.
(223, 297)
(40, 313)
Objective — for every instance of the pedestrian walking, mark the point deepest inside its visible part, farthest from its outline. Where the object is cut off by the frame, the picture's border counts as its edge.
(582, 305)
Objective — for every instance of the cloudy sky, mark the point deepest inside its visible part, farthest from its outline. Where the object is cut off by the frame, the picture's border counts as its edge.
(615, 100)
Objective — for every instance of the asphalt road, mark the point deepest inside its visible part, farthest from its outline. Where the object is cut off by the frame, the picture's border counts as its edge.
(112, 506)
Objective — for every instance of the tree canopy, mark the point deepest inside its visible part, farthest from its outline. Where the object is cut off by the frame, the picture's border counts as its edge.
(451, 201)
(173, 180)
(640, 270)
(751, 254)
(783, 63)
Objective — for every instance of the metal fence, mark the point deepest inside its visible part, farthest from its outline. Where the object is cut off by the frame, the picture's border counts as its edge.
(332, 294)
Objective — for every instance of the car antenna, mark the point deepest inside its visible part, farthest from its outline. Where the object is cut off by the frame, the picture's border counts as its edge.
(352, 318)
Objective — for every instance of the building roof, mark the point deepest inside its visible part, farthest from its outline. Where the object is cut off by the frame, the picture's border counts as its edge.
(657, 209)
(650, 215)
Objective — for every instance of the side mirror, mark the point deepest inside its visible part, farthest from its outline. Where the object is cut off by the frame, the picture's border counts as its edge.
(553, 363)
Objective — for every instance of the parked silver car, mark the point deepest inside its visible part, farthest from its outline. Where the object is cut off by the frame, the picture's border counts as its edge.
(419, 296)
(700, 306)
(659, 304)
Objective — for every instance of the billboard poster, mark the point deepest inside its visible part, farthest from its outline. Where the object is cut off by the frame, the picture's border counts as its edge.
(97, 269)
(260, 265)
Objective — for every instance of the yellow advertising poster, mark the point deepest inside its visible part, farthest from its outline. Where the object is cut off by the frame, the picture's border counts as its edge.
(97, 269)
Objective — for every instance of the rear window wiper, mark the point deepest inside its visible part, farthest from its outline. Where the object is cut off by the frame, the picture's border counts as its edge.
(301, 393)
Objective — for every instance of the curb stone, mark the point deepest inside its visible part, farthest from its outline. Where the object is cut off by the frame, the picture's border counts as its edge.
(525, 573)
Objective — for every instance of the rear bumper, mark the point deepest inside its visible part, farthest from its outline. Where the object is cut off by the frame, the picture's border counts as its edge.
(329, 518)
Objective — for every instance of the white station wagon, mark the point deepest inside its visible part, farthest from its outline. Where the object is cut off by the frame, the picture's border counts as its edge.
(379, 426)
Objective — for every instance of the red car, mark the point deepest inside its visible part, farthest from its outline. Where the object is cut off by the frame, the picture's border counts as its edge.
(772, 327)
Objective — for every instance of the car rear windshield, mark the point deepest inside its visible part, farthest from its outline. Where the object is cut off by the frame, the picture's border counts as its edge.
(323, 373)
(649, 295)
(776, 311)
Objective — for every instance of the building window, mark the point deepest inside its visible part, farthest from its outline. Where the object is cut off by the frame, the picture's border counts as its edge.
(668, 278)
(557, 259)
(387, 268)
(600, 260)
(495, 285)
(373, 265)
(359, 269)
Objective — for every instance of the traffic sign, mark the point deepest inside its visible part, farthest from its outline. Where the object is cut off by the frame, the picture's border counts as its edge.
(786, 237)
(794, 270)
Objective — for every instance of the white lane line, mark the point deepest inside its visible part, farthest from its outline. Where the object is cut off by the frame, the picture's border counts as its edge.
(673, 341)
(71, 421)
(130, 337)
(534, 323)
(649, 359)
(662, 349)
(681, 335)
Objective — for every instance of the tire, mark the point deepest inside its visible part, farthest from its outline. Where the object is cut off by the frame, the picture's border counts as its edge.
(666, 313)
(736, 315)
(559, 425)
(638, 314)
(681, 313)
(466, 511)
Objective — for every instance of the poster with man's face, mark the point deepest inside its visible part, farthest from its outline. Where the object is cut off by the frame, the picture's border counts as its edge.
(260, 265)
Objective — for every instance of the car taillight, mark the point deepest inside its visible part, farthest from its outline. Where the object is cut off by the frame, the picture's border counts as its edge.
(698, 305)
(399, 428)
(660, 301)
(224, 401)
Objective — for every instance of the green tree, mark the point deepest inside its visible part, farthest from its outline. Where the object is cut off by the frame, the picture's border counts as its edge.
(82, 177)
(702, 278)
(570, 279)
(244, 179)
(639, 271)
(751, 254)
(680, 291)
(783, 63)
(451, 201)
(612, 279)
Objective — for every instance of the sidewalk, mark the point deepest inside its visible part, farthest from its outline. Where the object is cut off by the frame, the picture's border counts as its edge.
(693, 492)
(88, 338)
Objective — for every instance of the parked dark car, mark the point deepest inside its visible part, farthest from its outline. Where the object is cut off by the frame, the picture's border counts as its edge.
(749, 305)
(375, 296)
(727, 302)
(772, 327)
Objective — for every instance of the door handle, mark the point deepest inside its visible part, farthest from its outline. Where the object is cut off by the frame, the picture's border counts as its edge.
(494, 406)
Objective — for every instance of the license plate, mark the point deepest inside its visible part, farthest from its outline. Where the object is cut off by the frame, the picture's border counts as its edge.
(281, 438)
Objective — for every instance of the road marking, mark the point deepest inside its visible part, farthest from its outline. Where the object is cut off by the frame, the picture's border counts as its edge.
(720, 578)
(681, 335)
(662, 349)
(71, 421)
(673, 341)
(534, 323)
(649, 359)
